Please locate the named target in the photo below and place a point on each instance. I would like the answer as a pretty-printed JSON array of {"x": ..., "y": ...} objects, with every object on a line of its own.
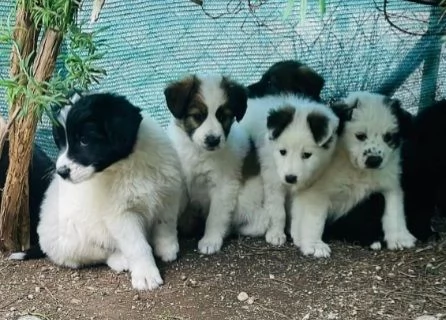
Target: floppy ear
[
  {"x": 343, "y": 111},
  {"x": 178, "y": 95},
  {"x": 237, "y": 97},
  {"x": 122, "y": 130},
  {"x": 278, "y": 120},
  {"x": 322, "y": 128},
  {"x": 405, "y": 118},
  {"x": 310, "y": 82}
]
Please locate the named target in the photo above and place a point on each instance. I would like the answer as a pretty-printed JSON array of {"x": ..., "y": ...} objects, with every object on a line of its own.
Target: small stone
[
  {"x": 183, "y": 277},
  {"x": 193, "y": 283},
  {"x": 12, "y": 309},
  {"x": 426, "y": 318},
  {"x": 242, "y": 296},
  {"x": 133, "y": 307},
  {"x": 378, "y": 278},
  {"x": 271, "y": 276},
  {"x": 135, "y": 297},
  {"x": 391, "y": 275},
  {"x": 377, "y": 268},
  {"x": 75, "y": 301},
  {"x": 37, "y": 289},
  {"x": 30, "y": 297},
  {"x": 250, "y": 300}
]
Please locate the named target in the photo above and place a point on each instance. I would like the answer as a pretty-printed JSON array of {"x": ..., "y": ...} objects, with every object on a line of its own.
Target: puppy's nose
[
  {"x": 373, "y": 162},
  {"x": 212, "y": 141},
  {"x": 64, "y": 172},
  {"x": 291, "y": 178}
]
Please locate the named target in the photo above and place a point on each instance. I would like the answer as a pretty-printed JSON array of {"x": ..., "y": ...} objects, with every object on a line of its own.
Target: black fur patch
[
  {"x": 279, "y": 119},
  {"x": 344, "y": 113},
  {"x": 237, "y": 97},
  {"x": 404, "y": 119},
  {"x": 288, "y": 76},
  {"x": 318, "y": 124},
  {"x": 101, "y": 129},
  {"x": 251, "y": 164}
]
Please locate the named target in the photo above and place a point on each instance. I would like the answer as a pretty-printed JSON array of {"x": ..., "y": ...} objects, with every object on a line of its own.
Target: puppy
[
  {"x": 295, "y": 138},
  {"x": 117, "y": 189},
  {"x": 366, "y": 160},
  {"x": 211, "y": 147},
  {"x": 286, "y": 77}
]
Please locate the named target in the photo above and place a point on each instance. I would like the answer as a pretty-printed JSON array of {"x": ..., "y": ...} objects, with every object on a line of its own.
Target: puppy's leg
[
  {"x": 128, "y": 230},
  {"x": 308, "y": 221},
  {"x": 275, "y": 210},
  {"x": 396, "y": 234},
  {"x": 223, "y": 201},
  {"x": 165, "y": 233},
  {"x": 118, "y": 262}
]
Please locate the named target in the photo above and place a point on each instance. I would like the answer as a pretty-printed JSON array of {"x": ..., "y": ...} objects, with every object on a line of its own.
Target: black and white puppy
[
  {"x": 288, "y": 77},
  {"x": 367, "y": 160},
  {"x": 116, "y": 191},
  {"x": 212, "y": 147}
]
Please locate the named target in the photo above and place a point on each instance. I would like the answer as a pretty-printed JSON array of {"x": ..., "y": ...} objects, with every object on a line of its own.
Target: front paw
[
  {"x": 167, "y": 250},
  {"x": 146, "y": 278},
  {"x": 318, "y": 249},
  {"x": 210, "y": 245},
  {"x": 117, "y": 262},
  {"x": 275, "y": 237},
  {"x": 400, "y": 240}
]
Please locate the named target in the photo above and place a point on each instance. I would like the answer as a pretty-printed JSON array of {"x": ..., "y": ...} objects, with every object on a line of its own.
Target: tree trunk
[{"x": 14, "y": 223}]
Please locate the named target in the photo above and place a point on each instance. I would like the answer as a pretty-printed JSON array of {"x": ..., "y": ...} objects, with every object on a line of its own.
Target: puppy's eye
[
  {"x": 361, "y": 136},
  {"x": 198, "y": 117},
  {"x": 306, "y": 155},
  {"x": 83, "y": 141},
  {"x": 282, "y": 152},
  {"x": 387, "y": 137}
]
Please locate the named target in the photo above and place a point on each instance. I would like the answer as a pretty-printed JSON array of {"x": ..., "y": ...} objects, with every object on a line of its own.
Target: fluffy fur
[
  {"x": 212, "y": 148},
  {"x": 295, "y": 138},
  {"x": 288, "y": 77},
  {"x": 116, "y": 192},
  {"x": 366, "y": 160}
]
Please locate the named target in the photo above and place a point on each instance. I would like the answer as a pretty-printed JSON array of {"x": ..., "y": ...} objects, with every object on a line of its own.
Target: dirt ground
[{"x": 355, "y": 283}]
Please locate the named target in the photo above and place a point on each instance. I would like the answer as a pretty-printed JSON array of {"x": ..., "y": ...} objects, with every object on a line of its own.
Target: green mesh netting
[{"x": 353, "y": 46}]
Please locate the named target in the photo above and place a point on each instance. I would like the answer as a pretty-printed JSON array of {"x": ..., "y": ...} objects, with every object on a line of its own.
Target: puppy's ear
[
  {"x": 344, "y": 111},
  {"x": 405, "y": 118},
  {"x": 237, "y": 97},
  {"x": 122, "y": 127},
  {"x": 178, "y": 95},
  {"x": 278, "y": 120},
  {"x": 310, "y": 82},
  {"x": 322, "y": 128}
]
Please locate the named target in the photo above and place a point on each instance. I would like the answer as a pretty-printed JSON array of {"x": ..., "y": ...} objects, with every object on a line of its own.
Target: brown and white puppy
[{"x": 211, "y": 145}]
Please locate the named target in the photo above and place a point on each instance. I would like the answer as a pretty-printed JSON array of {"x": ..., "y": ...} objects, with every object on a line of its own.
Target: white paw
[
  {"x": 17, "y": 256},
  {"x": 317, "y": 249},
  {"x": 209, "y": 245},
  {"x": 146, "y": 278},
  {"x": 400, "y": 240},
  {"x": 376, "y": 246},
  {"x": 167, "y": 249},
  {"x": 117, "y": 262},
  {"x": 275, "y": 237}
]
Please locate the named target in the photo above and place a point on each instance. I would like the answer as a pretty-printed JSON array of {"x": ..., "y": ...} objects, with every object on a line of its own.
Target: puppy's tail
[{"x": 35, "y": 252}]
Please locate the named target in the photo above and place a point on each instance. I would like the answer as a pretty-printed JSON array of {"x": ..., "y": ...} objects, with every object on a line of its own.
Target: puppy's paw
[
  {"x": 167, "y": 250},
  {"x": 146, "y": 277},
  {"x": 400, "y": 240},
  {"x": 117, "y": 262},
  {"x": 318, "y": 249},
  {"x": 210, "y": 245},
  {"x": 17, "y": 256},
  {"x": 376, "y": 246},
  {"x": 275, "y": 237}
]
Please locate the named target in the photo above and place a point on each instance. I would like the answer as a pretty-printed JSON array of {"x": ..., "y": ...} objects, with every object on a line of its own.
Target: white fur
[
  {"x": 212, "y": 177},
  {"x": 346, "y": 181},
  {"x": 296, "y": 138},
  {"x": 110, "y": 217}
]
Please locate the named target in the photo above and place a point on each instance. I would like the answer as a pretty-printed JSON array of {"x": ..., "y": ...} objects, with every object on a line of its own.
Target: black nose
[
  {"x": 373, "y": 162},
  {"x": 212, "y": 141},
  {"x": 291, "y": 178},
  {"x": 64, "y": 172}
]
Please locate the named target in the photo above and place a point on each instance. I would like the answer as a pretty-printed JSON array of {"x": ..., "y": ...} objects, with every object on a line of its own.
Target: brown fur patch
[{"x": 251, "y": 164}]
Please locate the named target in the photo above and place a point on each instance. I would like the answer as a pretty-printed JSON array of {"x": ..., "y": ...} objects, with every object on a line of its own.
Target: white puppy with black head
[
  {"x": 295, "y": 138},
  {"x": 116, "y": 191},
  {"x": 366, "y": 160},
  {"x": 211, "y": 147}
]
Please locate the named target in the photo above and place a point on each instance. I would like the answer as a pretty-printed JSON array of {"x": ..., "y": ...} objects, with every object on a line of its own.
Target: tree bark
[{"x": 14, "y": 223}]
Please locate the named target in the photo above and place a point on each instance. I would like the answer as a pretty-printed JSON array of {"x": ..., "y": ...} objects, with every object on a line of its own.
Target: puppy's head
[
  {"x": 92, "y": 133},
  {"x": 205, "y": 108},
  {"x": 303, "y": 137},
  {"x": 372, "y": 128},
  {"x": 288, "y": 76}
]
